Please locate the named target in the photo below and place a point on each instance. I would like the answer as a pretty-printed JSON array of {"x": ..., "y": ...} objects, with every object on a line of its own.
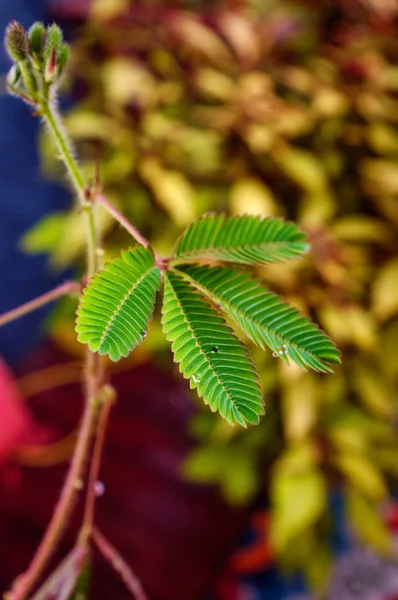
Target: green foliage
[
  {"x": 265, "y": 318},
  {"x": 210, "y": 355},
  {"x": 246, "y": 239},
  {"x": 118, "y": 303},
  {"x": 114, "y": 312},
  {"x": 299, "y": 500},
  {"x": 366, "y": 520}
]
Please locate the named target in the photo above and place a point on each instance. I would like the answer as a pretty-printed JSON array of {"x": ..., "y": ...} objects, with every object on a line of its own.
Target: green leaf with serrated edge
[
  {"x": 264, "y": 317},
  {"x": 209, "y": 353},
  {"x": 116, "y": 306},
  {"x": 242, "y": 239}
]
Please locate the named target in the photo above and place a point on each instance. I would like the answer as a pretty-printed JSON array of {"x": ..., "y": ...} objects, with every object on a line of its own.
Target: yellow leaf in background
[
  {"x": 316, "y": 209},
  {"x": 258, "y": 137},
  {"x": 373, "y": 392},
  {"x": 389, "y": 343},
  {"x": 199, "y": 37},
  {"x": 362, "y": 229},
  {"x": 328, "y": 102},
  {"x": 385, "y": 291},
  {"x": 317, "y": 572},
  {"x": 297, "y": 503},
  {"x": 380, "y": 176},
  {"x": 127, "y": 81},
  {"x": 299, "y": 408},
  {"x": 387, "y": 459},
  {"x": 215, "y": 84},
  {"x": 367, "y": 522},
  {"x": 86, "y": 124},
  {"x": 172, "y": 190},
  {"x": 297, "y": 459},
  {"x": 293, "y": 121},
  {"x": 302, "y": 167},
  {"x": 363, "y": 329},
  {"x": 241, "y": 33},
  {"x": 250, "y": 196},
  {"x": 107, "y": 9},
  {"x": 241, "y": 480},
  {"x": 382, "y": 138},
  {"x": 362, "y": 474},
  {"x": 350, "y": 324},
  {"x": 346, "y": 438}
]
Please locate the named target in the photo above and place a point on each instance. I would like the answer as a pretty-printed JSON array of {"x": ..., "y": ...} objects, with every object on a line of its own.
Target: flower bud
[
  {"x": 36, "y": 35},
  {"x": 16, "y": 41},
  {"x": 63, "y": 57},
  {"x": 54, "y": 41},
  {"x": 50, "y": 68}
]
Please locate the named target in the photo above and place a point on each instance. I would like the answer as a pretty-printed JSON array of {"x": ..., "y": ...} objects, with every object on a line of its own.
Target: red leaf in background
[{"x": 15, "y": 420}]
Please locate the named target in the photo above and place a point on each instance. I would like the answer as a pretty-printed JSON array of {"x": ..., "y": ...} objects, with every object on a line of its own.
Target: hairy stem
[
  {"x": 69, "y": 287},
  {"x": 93, "y": 372},
  {"x": 56, "y": 128},
  {"x": 113, "y": 557}
]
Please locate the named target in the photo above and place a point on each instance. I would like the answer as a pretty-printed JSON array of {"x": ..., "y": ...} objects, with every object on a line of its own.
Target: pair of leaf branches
[{"x": 206, "y": 281}]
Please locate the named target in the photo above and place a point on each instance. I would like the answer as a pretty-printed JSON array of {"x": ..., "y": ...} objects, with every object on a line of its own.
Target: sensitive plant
[{"x": 209, "y": 292}]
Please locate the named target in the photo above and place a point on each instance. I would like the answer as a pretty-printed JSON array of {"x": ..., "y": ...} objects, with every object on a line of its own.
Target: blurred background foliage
[{"x": 271, "y": 107}]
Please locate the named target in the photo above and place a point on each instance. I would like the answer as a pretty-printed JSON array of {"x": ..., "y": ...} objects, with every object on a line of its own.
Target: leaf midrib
[
  {"x": 219, "y": 378},
  {"x": 198, "y": 251},
  {"x": 216, "y": 298},
  {"x": 122, "y": 303}
]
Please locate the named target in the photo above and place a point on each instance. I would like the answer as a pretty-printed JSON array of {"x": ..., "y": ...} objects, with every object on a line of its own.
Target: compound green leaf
[
  {"x": 209, "y": 353},
  {"x": 264, "y": 317},
  {"x": 242, "y": 239},
  {"x": 118, "y": 303}
]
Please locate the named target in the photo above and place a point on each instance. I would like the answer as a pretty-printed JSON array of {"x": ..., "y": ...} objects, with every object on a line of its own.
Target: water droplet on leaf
[
  {"x": 215, "y": 350},
  {"x": 196, "y": 378},
  {"x": 143, "y": 333}
]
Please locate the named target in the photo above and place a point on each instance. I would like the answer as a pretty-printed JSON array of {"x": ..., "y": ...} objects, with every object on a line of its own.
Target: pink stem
[
  {"x": 113, "y": 557},
  {"x": 121, "y": 219},
  {"x": 69, "y": 287}
]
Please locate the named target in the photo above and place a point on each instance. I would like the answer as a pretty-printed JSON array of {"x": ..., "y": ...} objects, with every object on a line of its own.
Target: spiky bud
[
  {"x": 36, "y": 35},
  {"x": 54, "y": 41},
  {"x": 63, "y": 57},
  {"x": 16, "y": 41}
]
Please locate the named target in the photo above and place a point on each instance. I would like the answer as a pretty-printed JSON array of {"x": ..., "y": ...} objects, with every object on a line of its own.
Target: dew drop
[
  {"x": 143, "y": 333},
  {"x": 282, "y": 349},
  {"x": 195, "y": 378},
  {"x": 99, "y": 488},
  {"x": 215, "y": 350}
]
